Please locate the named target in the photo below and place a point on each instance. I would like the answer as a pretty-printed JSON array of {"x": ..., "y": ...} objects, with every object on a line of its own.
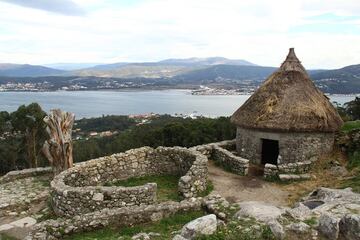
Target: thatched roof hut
[{"x": 288, "y": 101}]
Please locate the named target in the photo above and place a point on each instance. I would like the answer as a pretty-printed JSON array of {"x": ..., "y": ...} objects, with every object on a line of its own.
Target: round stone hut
[{"x": 287, "y": 120}]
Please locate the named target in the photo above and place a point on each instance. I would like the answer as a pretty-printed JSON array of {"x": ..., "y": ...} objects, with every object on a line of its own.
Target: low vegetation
[
  {"x": 353, "y": 182},
  {"x": 164, "y": 227},
  {"x": 351, "y": 125},
  {"x": 167, "y": 185}
]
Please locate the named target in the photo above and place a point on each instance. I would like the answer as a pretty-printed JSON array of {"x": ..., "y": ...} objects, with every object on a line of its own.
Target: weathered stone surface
[
  {"x": 329, "y": 226},
  {"x": 98, "y": 197},
  {"x": 179, "y": 237},
  {"x": 205, "y": 225},
  {"x": 6, "y": 227},
  {"x": 141, "y": 236},
  {"x": 277, "y": 229},
  {"x": 336, "y": 202},
  {"x": 294, "y": 177},
  {"x": 299, "y": 227},
  {"x": 300, "y": 212},
  {"x": 350, "y": 227},
  {"x": 259, "y": 210},
  {"x": 24, "y": 222},
  {"x": 19, "y": 194},
  {"x": 216, "y": 204}
]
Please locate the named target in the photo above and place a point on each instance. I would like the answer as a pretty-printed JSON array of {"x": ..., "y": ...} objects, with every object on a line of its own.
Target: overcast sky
[{"x": 325, "y": 34}]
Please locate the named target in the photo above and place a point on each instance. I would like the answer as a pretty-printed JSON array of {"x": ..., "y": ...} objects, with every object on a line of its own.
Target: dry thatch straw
[{"x": 288, "y": 101}]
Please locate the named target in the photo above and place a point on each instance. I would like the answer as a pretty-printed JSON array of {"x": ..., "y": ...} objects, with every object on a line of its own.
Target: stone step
[{"x": 292, "y": 177}]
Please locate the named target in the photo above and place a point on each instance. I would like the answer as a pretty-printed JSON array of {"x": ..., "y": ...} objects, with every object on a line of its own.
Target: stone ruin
[{"x": 81, "y": 189}]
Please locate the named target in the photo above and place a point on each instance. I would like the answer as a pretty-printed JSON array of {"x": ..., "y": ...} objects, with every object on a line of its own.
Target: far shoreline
[{"x": 152, "y": 89}]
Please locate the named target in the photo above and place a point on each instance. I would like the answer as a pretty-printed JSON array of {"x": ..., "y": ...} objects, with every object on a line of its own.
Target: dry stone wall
[
  {"x": 221, "y": 153},
  {"x": 225, "y": 158},
  {"x": 81, "y": 189},
  {"x": 25, "y": 173},
  {"x": 295, "y": 171},
  {"x": 118, "y": 217}
]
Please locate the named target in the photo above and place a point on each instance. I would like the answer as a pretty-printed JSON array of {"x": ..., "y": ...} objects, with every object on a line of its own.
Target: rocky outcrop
[
  {"x": 205, "y": 225},
  {"x": 333, "y": 213},
  {"x": 350, "y": 227},
  {"x": 261, "y": 211}
]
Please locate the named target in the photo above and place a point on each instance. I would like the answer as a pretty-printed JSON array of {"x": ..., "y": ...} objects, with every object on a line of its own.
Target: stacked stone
[
  {"x": 217, "y": 205},
  {"x": 237, "y": 164},
  {"x": 207, "y": 149},
  {"x": 195, "y": 180},
  {"x": 25, "y": 173},
  {"x": 297, "y": 168},
  {"x": 270, "y": 171},
  {"x": 288, "y": 172},
  {"x": 80, "y": 189},
  {"x": 57, "y": 229}
]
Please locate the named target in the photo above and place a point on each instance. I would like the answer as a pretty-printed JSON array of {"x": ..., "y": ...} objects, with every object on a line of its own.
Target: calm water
[{"x": 96, "y": 103}]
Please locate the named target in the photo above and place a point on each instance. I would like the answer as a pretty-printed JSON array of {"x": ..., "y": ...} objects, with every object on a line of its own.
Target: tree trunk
[{"x": 58, "y": 149}]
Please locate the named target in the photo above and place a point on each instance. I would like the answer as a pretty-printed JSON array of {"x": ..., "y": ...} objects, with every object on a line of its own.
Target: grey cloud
[{"x": 64, "y": 7}]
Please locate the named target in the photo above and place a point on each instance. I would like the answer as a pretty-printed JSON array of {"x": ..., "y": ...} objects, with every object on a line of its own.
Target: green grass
[
  {"x": 5, "y": 237},
  {"x": 354, "y": 160},
  {"x": 354, "y": 183},
  {"x": 164, "y": 227},
  {"x": 167, "y": 185},
  {"x": 311, "y": 221},
  {"x": 350, "y": 125}
]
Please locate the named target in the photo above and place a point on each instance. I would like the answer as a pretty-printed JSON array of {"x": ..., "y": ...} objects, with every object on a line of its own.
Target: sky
[{"x": 325, "y": 33}]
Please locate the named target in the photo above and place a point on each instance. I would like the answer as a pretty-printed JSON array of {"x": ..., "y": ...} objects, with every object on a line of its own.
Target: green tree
[
  {"x": 353, "y": 108},
  {"x": 28, "y": 120},
  {"x": 4, "y": 119}
]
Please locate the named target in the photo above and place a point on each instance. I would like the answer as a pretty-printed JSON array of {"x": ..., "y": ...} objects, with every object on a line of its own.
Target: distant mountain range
[
  {"x": 27, "y": 70},
  {"x": 187, "y": 71},
  {"x": 70, "y": 66},
  {"x": 346, "y": 79}
]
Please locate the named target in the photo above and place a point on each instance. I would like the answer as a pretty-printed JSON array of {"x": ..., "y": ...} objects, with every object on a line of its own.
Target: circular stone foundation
[{"x": 81, "y": 189}]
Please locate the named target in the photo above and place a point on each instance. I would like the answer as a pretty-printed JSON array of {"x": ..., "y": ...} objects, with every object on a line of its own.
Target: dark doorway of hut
[{"x": 269, "y": 151}]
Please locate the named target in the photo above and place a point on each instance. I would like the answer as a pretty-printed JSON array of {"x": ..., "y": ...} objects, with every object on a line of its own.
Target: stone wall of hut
[{"x": 293, "y": 147}]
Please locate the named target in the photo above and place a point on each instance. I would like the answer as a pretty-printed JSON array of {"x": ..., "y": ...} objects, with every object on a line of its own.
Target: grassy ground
[
  {"x": 4, "y": 237},
  {"x": 323, "y": 177},
  {"x": 245, "y": 229},
  {"x": 164, "y": 227},
  {"x": 350, "y": 125},
  {"x": 353, "y": 182},
  {"x": 167, "y": 185}
]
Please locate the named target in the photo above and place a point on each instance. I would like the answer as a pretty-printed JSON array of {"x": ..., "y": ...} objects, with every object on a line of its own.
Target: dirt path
[{"x": 237, "y": 188}]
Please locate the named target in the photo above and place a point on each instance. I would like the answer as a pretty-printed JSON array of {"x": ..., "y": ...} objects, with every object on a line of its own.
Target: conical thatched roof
[{"x": 288, "y": 101}]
